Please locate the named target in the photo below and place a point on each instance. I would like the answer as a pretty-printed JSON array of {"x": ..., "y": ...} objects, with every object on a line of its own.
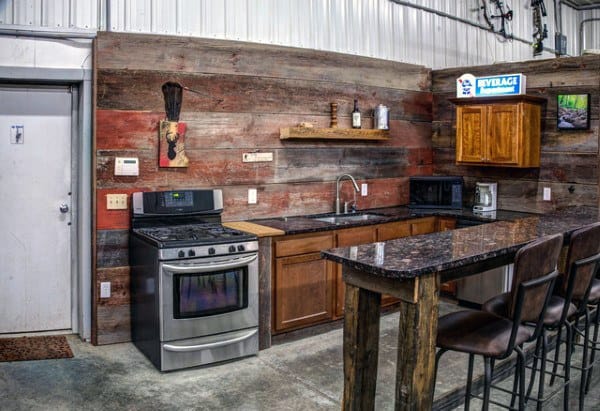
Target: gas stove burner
[{"x": 192, "y": 233}]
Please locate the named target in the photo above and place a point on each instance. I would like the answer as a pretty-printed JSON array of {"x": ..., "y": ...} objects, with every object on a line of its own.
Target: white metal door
[{"x": 35, "y": 208}]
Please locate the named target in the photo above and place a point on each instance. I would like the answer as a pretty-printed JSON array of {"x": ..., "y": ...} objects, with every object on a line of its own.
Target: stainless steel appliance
[
  {"x": 194, "y": 283},
  {"x": 435, "y": 192},
  {"x": 477, "y": 289},
  {"x": 485, "y": 197}
]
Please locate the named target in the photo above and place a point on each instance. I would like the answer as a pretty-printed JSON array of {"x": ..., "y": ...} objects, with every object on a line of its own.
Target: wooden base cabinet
[
  {"x": 445, "y": 224},
  {"x": 303, "y": 291},
  {"x": 308, "y": 290},
  {"x": 345, "y": 238},
  {"x": 302, "y": 282},
  {"x": 498, "y": 131}
]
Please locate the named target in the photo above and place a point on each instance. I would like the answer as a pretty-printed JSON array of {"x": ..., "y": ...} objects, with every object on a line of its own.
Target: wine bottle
[{"x": 356, "y": 115}]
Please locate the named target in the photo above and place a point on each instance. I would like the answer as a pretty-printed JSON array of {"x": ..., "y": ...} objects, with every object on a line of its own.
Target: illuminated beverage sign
[{"x": 468, "y": 85}]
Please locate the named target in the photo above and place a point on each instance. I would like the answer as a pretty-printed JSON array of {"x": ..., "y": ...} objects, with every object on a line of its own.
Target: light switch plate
[
  {"x": 252, "y": 196},
  {"x": 116, "y": 201},
  {"x": 105, "y": 289}
]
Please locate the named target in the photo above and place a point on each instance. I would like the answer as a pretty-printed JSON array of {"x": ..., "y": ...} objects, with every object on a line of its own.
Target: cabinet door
[
  {"x": 346, "y": 238},
  {"x": 503, "y": 134},
  {"x": 303, "y": 291},
  {"x": 470, "y": 134}
]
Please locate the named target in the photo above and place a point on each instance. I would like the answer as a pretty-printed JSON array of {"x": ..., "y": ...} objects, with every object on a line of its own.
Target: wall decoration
[
  {"x": 171, "y": 147},
  {"x": 573, "y": 111}
]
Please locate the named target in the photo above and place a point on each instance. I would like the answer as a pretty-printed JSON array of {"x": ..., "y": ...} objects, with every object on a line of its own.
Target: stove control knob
[
  {"x": 211, "y": 251},
  {"x": 232, "y": 249},
  {"x": 241, "y": 247},
  {"x": 191, "y": 253},
  {"x": 181, "y": 254}
]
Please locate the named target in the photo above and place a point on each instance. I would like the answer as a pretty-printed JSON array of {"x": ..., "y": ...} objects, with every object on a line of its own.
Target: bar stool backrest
[
  {"x": 581, "y": 269},
  {"x": 537, "y": 259}
]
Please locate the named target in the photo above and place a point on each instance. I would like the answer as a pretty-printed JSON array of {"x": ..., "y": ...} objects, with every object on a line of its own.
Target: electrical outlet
[
  {"x": 116, "y": 201},
  {"x": 256, "y": 157},
  {"x": 252, "y": 196},
  {"x": 105, "y": 289},
  {"x": 363, "y": 189},
  {"x": 547, "y": 194}
]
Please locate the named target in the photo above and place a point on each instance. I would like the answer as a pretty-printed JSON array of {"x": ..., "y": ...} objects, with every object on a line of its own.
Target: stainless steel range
[{"x": 194, "y": 283}]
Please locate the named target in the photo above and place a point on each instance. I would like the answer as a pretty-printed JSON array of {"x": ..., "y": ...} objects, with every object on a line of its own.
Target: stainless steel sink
[{"x": 347, "y": 218}]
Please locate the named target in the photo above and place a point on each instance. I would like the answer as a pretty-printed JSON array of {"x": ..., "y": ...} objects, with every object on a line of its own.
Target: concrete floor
[{"x": 304, "y": 374}]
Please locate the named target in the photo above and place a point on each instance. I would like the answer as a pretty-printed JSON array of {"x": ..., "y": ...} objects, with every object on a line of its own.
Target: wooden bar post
[
  {"x": 361, "y": 348},
  {"x": 415, "y": 373}
]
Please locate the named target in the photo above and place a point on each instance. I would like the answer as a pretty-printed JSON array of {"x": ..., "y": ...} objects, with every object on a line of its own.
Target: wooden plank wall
[
  {"x": 569, "y": 159},
  {"x": 243, "y": 94}
]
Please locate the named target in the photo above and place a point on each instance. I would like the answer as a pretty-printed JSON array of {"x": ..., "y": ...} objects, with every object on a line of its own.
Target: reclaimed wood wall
[
  {"x": 242, "y": 94},
  {"x": 569, "y": 159}
]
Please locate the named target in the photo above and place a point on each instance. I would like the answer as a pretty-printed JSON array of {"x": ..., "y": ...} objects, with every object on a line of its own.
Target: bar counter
[{"x": 412, "y": 269}]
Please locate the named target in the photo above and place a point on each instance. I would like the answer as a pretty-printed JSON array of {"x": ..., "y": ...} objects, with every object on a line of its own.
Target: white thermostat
[{"x": 127, "y": 166}]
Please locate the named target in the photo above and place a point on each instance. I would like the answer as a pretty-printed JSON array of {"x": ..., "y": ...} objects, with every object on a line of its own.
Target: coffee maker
[{"x": 485, "y": 197}]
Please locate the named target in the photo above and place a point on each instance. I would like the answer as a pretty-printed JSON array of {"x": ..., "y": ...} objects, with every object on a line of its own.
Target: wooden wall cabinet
[
  {"x": 498, "y": 131},
  {"x": 302, "y": 282}
]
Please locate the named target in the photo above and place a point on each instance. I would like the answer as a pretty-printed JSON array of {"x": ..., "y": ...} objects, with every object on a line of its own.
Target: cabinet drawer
[
  {"x": 355, "y": 236},
  {"x": 391, "y": 231},
  {"x": 303, "y": 245},
  {"x": 446, "y": 223},
  {"x": 422, "y": 226}
]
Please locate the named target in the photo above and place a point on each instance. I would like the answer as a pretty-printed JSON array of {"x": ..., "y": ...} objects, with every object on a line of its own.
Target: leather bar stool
[
  {"x": 495, "y": 337},
  {"x": 564, "y": 308},
  {"x": 584, "y": 258}
]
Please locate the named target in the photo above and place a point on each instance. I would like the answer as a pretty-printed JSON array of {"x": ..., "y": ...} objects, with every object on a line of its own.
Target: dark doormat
[{"x": 34, "y": 348}]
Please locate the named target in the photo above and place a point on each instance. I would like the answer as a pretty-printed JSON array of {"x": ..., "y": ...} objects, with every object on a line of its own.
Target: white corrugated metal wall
[
  {"x": 591, "y": 29},
  {"x": 376, "y": 28}
]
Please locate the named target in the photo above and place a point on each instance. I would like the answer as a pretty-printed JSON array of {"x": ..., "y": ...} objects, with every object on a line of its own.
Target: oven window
[{"x": 218, "y": 292}]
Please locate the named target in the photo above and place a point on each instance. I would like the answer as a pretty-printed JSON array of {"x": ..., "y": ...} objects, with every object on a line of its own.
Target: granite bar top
[
  {"x": 410, "y": 257},
  {"x": 308, "y": 224}
]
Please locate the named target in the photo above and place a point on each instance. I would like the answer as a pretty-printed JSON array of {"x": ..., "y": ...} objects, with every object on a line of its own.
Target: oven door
[{"x": 208, "y": 296}]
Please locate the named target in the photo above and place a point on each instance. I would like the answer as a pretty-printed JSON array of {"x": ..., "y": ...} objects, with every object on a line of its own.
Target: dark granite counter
[
  {"x": 411, "y": 257},
  {"x": 308, "y": 224}
]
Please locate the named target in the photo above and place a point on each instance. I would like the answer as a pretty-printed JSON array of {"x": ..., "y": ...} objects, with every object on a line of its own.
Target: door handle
[{"x": 64, "y": 208}]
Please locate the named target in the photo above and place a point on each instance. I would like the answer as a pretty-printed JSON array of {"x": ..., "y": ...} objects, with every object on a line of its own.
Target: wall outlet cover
[
  {"x": 547, "y": 194},
  {"x": 252, "y": 196},
  {"x": 256, "y": 157},
  {"x": 363, "y": 189},
  {"x": 105, "y": 289}
]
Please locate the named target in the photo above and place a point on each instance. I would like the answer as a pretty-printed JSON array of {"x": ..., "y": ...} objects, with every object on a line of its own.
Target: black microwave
[{"x": 435, "y": 192}]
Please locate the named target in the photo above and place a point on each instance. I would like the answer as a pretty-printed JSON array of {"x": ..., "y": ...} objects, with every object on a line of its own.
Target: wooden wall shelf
[{"x": 333, "y": 133}]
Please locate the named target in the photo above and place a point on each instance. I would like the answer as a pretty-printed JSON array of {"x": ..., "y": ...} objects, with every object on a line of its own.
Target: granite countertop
[
  {"x": 308, "y": 224},
  {"x": 410, "y": 257}
]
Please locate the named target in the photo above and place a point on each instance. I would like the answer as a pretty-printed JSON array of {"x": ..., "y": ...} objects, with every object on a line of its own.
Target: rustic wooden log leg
[
  {"x": 415, "y": 373},
  {"x": 361, "y": 348}
]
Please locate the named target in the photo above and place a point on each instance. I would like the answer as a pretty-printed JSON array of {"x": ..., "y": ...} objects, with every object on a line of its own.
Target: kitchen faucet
[{"x": 338, "y": 185}]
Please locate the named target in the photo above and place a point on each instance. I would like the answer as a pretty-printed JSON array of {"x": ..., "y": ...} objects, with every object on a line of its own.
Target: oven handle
[
  {"x": 188, "y": 348},
  {"x": 203, "y": 268}
]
